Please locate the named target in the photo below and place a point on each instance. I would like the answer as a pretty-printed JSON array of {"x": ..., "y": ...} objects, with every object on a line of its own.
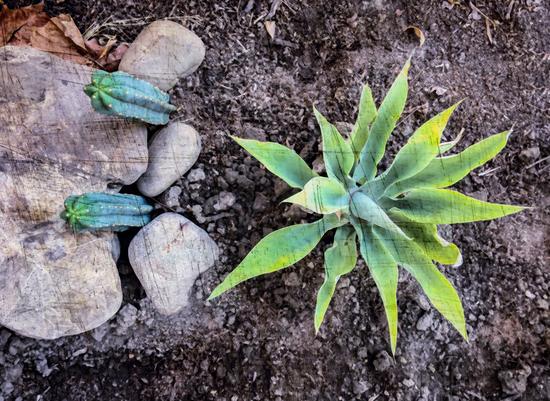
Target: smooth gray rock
[
  {"x": 167, "y": 256},
  {"x": 172, "y": 152},
  {"x": 53, "y": 144},
  {"x": 162, "y": 53}
]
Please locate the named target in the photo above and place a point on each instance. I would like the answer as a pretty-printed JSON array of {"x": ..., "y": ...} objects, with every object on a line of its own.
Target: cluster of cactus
[
  {"x": 121, "y": 94},
  {"x": 97, "y": 211},
  {"x": 393, "y": 215}
]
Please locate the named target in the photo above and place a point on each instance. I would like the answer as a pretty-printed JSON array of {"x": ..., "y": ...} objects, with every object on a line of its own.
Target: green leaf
[
  {"x": 383, "y": 269},
  {"x": 365, "y": 116},
  {"x": 363, "y": 207},
  {"x": 337, "y": 152},
  {"x": 391, "y": 108},
  {"x": 340, "y": 259},
  {"x": 278, "y": 250},
  {"x": 438, "y": 289},
  {"x": 280, "y": 160},
  {"x": 445, "y": 171},
  {"x": 426, "y": 237},
  {"x": 322, "y": 195},
  {"x": 443, "y": 206},
  {"x": 446, "y": 146},
  {"x": 421, "y": 148}
]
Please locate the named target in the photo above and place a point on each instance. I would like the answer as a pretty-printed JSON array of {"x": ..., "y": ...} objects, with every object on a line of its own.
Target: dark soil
[{"x": 257, "y": 342}]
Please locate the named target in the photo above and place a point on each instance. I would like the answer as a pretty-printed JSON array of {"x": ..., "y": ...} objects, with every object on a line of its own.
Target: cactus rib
[{"x": 123, "y": 95}]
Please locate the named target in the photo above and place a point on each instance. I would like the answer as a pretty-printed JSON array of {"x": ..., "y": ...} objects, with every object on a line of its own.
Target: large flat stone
[{"x": 52, "y": 145}]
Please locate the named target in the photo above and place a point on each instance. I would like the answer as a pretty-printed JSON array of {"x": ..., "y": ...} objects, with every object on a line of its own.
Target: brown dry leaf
[
  {"x": 270, "y": 28},
  {"x": 12, "y": 20},
  {"x": 58, "y": 35},
  {"x": 66, "y": 25},
  {"x": 31, "y": 26},
  {"x": 51, "y": 39},
  {"x": 108, "y": 47},
  {"x": 94, "y": 48},
  {"x": 113, "y": 54},
  {"x": 418, "y": 32},
  {"x": 113, "y": 59}
]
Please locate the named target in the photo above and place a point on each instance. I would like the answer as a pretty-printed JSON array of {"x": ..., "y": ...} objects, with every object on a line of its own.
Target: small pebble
[{"x": 195, "y": 175}]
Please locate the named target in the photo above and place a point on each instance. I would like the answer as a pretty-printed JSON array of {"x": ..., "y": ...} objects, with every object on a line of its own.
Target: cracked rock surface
[{"x": 52, "y": 145}]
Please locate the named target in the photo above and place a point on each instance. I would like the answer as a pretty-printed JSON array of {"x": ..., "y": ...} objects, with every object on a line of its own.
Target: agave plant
[{"x": 393, "y": 215}]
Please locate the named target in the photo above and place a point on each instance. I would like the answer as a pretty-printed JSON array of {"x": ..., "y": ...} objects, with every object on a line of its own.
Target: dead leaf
[
  {"x": 93, "y": 47},
  {"x": 270, "y": 28},
  {"x": 31, "y": 26},
  {"x": 51, "y": 39},
  {"x": 66, "y": 25},
  {"x": 418, "y": 32},
  {"x": 13, "y": 20},
  {"x": 113, "y": 54},
  {"x": 113, "y": 59},
  {"x": 108, "y": 47}
]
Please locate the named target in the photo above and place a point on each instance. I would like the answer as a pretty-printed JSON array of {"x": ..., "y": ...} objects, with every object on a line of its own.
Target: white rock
[
  {"x": 162, "y": 53},
  {"x": 53, "y": 144},
  {"x": 172, "y": 152},
  {"x": 167, "y": 256}
]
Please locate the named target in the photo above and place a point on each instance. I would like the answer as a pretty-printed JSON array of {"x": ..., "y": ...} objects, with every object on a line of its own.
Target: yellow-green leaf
[
  {"x": 445, "y": 171},
  {"x": 443, "y": 206},
  {"x": 322, "y": 195},
  {"x": 363, "y": 207},
  {"x": 446, "y": 146},
  {"x": 280, "y": 160},
  {"x": 391, "y": 108},
  {"x": 278, "y": 250},
  {"x": 337, "y": 153},
  {"x": 421, "y": 148},
  {"x": 365, "y": 116},
  {"x": 340, "y": 259},
  {"x": 426, "y": 237},
  {"x": 437, "y": 288},
  {"x": 383, "y": 269}
]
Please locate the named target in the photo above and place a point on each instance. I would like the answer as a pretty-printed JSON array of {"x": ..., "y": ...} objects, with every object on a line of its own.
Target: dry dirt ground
[{"x": 257, "y": 342}]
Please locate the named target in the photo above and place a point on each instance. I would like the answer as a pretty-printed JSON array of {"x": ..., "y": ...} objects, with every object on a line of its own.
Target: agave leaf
[
  {"x": 322, "y": 195},
  {"x": 445, "y": 171},
  {"x": 383, "y": 269},
  {"x": 278, "y": 250},
  {"x": 363, "y": 207},
  {"x": 438, "y": 289},
  {"x": 365, "y": 116},
  {"x": 340, "y": 259},
  {"x": 280, "y": 160},
  {"x": 337, "y": 153},
  {"x": 443, "y": 206},
  {"x": 446, "y": 146},
  {"x": 426, "y": 237},
  {"x": 421, "y": 148},
  {"x": 391, "y": 108}
]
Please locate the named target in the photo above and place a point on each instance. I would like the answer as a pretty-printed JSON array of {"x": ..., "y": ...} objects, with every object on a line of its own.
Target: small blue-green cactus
[
  {"x": 97, "y": 211},
  {"x": 121, "y": 94}
]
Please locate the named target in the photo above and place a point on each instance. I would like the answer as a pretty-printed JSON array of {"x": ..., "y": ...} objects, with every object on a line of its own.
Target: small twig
[
  {"x": 537, "y": 162},
  {"x": 274, "y": 7},
  {"x": 490, "y": 171}
]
